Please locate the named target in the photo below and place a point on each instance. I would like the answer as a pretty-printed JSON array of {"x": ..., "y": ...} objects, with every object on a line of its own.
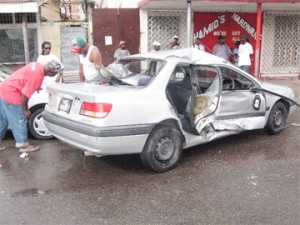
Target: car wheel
[
  {"x": 163, "y": 149},
  {"x": 37, "y": 127},
  {"x": 277, "y": 119}
]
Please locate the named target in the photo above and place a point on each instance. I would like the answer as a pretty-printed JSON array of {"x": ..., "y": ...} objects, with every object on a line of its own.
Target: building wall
[
  {"x": 280, "y": 53},
  {"x": 276, "y": 59},
  {"x": 161, "y": 26}
]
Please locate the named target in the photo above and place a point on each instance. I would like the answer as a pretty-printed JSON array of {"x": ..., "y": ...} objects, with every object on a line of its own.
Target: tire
[
  {"x": 163, "y": 149},
  {"x": 37, "y": 126},
  {"x": 277, "y": 119}
]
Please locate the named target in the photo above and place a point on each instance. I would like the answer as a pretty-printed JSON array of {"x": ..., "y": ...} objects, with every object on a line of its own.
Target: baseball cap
[
  {"x": 220, "y": 37},
  {"x": 77, "y": 44},
  {"x": 54, "y": 66},
  {"x": 175, "y": 37},
  {"x": 156, "y": 43},
  {"x": 122, "y": 43}
]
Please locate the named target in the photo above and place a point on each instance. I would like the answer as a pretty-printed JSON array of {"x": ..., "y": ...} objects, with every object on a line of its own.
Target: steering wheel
[{"x": 230, "y": 85}]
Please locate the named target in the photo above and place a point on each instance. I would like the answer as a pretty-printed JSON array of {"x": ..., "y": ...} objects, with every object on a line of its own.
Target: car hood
[{"x": 278, "y": 89}]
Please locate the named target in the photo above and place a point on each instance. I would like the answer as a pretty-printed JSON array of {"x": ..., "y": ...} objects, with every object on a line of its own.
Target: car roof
[{"x": 190, "y": 55}]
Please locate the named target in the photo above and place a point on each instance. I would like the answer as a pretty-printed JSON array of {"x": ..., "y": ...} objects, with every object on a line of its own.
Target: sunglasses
[{"x": 47, "y": 48}]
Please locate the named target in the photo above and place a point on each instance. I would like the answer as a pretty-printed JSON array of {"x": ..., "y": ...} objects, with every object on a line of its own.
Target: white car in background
[
  {"x": 161, "y": 103},
  {"x": 36, "y": 105}
]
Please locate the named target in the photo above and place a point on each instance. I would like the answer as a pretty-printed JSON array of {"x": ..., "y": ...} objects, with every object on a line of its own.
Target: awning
[
  {"x": 27, "y": 7},
  {"x": 221, "y": 5}
]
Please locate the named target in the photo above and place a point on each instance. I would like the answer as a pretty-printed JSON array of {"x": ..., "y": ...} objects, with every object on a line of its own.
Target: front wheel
[
  {"x": 163, "y": 149},
  {"x": 277, "y": 119},
  {"x": 37, "y": 126}
]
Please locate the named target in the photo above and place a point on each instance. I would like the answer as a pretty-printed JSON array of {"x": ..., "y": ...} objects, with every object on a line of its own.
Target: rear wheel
[
  {"x": 37, "y": 127},
  {"x": 163, "y": 149},
  {"x": 277, "y": 119}
]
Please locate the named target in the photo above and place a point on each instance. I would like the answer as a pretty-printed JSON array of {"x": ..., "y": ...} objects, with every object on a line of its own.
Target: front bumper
[{"x": 104, "y": 141}]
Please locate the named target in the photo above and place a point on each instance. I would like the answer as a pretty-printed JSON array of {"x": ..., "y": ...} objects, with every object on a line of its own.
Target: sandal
[{"x": 29, "y": 148}]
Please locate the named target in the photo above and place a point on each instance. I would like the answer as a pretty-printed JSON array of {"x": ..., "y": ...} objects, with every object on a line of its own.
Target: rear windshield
[{"x": 136, "y": 72}]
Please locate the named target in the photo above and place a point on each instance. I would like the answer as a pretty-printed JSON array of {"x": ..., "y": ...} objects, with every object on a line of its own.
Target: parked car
[
  {"x": 161, "y": 103},
  {"x": 36, "y": 105}
]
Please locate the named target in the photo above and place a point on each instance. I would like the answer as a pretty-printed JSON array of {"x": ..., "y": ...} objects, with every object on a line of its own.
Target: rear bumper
[{"x": 104, "y": 141}]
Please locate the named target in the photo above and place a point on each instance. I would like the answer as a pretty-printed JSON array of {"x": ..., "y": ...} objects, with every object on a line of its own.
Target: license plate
[{"x": 65, "y": 105}]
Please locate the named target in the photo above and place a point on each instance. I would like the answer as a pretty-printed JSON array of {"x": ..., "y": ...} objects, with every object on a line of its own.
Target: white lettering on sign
[
  {"x": 244, "y": 24},
  {"x": 210, "y": 28}
]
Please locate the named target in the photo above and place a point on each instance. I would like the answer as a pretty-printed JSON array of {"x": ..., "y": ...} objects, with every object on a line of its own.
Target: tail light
[{"x": 95, "y": 110}]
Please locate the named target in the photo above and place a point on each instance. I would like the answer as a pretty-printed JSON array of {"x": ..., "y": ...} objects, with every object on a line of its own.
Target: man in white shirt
[
  {"x": 245, "y": 51},
  {"x": 198, "y": 45}
]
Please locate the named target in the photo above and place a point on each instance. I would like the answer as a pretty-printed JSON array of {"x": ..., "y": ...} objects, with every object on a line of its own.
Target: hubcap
[
  {"x": 40, "y": 127},
  {"x": 278, "y": 118},
  {"x": 164, "y": 149}
]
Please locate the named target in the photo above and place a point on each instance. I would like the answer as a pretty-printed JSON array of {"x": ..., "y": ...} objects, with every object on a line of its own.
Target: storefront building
[{"x": 273, "y": 28}]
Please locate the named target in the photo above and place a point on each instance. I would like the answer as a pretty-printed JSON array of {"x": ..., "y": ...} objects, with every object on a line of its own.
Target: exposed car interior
[
  {"x": 179, "y": 92},
  {"x": 233, "y": 80},
  {"x": 180, "y": 88}
]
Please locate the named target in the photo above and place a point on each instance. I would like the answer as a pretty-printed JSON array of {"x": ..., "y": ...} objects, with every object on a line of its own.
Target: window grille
[
  {"x": 163, "y": 25},
  {"x": 12, "y": 45},
  {"x": 31, "y": 17},
  {"x": 280, "y": 53},
  {"x": 286, "y": 40},
  {"x": 6, "y": 18}
]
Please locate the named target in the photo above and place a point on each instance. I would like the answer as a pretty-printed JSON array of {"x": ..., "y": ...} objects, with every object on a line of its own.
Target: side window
[
  {"x": 207, "y": 78},
  {"x": 178, "y": 74},
  {"x": 234, "y": 80}
]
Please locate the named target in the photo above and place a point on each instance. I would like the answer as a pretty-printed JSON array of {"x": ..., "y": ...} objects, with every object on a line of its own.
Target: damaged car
[{"x": 158, "y": 104}]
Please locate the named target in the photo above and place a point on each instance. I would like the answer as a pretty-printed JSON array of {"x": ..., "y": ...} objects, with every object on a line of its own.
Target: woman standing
[{"x": 46, "y": 57}]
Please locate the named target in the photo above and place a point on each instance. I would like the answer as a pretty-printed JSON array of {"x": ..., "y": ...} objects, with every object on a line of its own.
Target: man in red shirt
[{"x": 15, "y": 92}]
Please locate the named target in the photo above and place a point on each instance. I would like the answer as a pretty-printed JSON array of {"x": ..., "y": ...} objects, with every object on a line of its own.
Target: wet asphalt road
[{"x": 250, "y": 178}]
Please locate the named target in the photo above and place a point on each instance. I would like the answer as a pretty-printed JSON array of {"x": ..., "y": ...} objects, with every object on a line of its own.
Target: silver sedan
[{"x": 158, "y": 104}]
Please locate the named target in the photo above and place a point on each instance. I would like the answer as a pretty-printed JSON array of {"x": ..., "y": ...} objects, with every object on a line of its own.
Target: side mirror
[{"x": 255, "y": 89}]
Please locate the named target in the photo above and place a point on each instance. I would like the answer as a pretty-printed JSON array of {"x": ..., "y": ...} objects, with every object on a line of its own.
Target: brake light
[{"x": 96, "y": 110}]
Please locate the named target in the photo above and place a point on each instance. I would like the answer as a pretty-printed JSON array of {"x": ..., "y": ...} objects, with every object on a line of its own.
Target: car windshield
[{"x": 137, "y": 72}]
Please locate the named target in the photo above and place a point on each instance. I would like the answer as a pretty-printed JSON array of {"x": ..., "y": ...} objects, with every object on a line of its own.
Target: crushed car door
[
  {"x": 240, "y": 108},
  {"x": 203, "y": 103}
]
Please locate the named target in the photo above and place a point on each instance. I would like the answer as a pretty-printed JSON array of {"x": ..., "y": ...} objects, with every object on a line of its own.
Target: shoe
[
  {"x": 29, "y": 148},
  {"x": 2, "y": 147}
]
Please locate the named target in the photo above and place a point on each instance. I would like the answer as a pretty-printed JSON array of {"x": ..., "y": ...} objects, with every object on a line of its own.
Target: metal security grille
[
  {"x": 280, "y": 45},
  {"x": 31, "y": 17},
  {"x": 163, "y": 25},
  {"x": 12, "y": 45},
  {"x": 6, "y": 18}
]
